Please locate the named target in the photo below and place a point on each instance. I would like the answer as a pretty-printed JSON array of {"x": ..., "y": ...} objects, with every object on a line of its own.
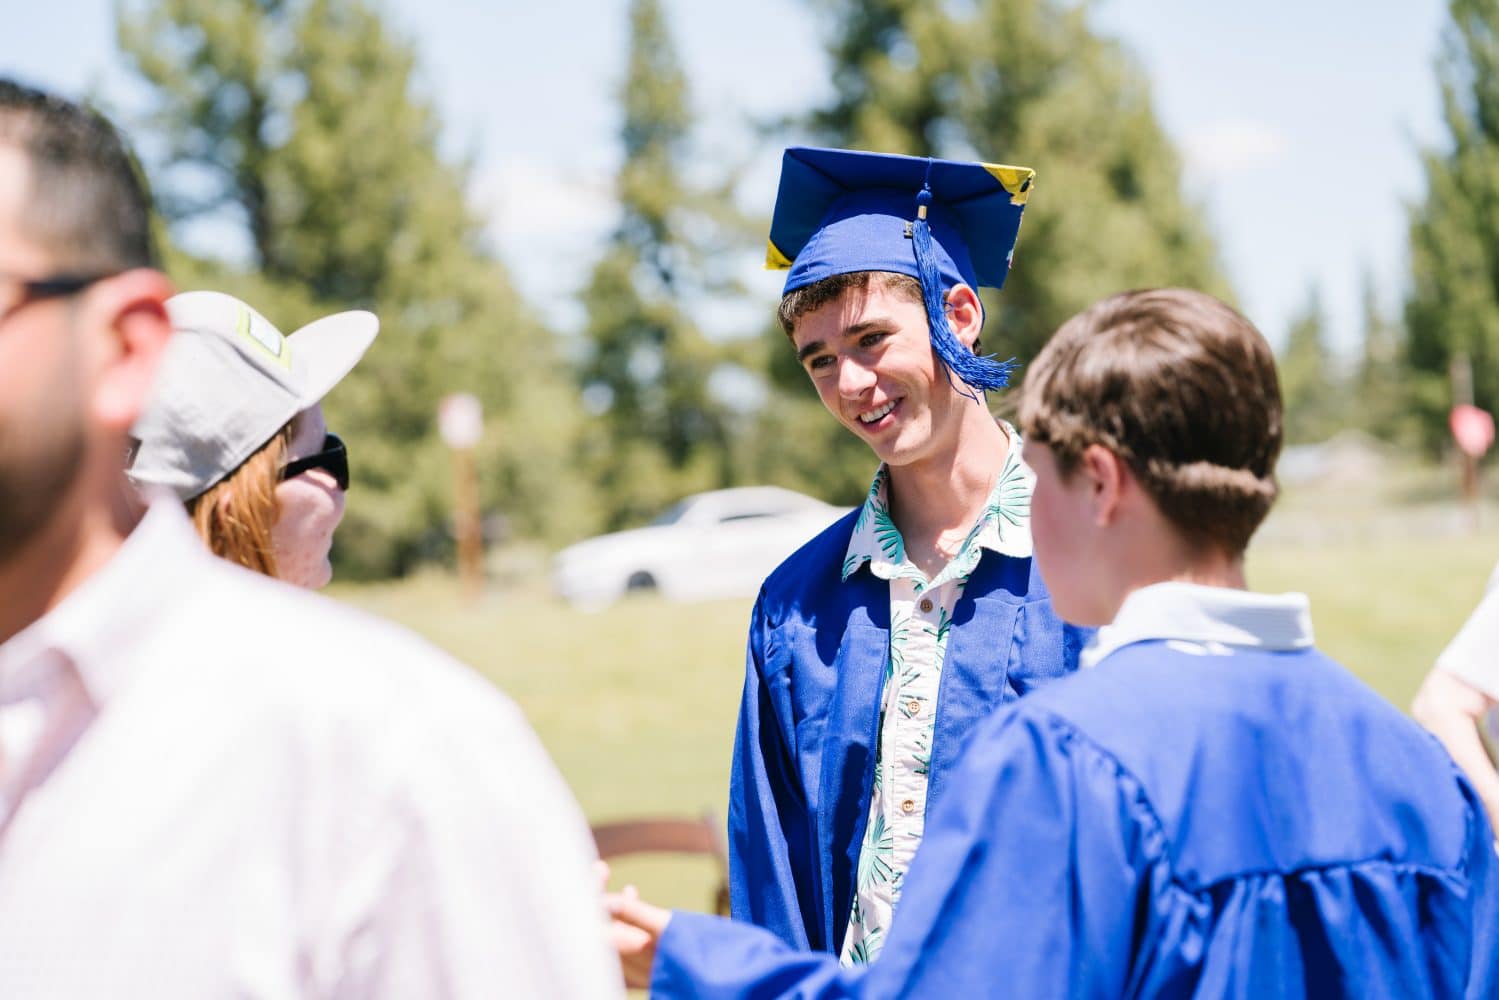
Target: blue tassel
[{"x": 981, "y": 373}]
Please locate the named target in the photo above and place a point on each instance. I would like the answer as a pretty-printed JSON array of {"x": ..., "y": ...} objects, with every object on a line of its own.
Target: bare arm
[{"x": 1453, "y": 710}]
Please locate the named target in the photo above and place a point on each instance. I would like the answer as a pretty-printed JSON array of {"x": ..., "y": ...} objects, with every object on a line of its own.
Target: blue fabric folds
[
  {"x": 805, "y": 749},
  {"x": 1249, "y": 825}
]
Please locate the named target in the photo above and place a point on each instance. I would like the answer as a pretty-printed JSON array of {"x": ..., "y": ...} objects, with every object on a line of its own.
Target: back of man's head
[
  {"x": 87, "y": 205},
  {"x": 1183, "y": 389}
]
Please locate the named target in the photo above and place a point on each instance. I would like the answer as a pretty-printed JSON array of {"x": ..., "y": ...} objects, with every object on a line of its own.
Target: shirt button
[
  {"x": 913, "y": 706},
  {"x": 908, "y": 807},
  {"x": 926, "y": 604}
]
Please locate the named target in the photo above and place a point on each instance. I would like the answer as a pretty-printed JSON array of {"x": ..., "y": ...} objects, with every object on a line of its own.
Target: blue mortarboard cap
[{"x": 940, "y": 221}]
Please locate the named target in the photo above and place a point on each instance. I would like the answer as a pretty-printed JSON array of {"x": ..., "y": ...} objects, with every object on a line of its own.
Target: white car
[{"x": 711, "y": 545}]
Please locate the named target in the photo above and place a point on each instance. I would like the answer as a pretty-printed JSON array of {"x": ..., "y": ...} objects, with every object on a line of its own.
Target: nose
[{"x": 853, "y": 378}]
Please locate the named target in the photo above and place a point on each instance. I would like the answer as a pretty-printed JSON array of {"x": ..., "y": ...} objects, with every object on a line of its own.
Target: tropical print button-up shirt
[{"x": 920, "y": 617}]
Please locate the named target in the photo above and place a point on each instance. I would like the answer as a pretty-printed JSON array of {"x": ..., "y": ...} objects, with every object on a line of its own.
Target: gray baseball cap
[{"x": 228, "y": 381}]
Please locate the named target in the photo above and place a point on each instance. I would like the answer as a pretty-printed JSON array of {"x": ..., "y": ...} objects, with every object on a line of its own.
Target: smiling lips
[{"x": 877, "y": 414}]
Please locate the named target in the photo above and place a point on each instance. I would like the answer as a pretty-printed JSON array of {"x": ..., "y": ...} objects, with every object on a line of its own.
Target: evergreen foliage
[
  {"x": 659, "y": 431},
  {"x": 1027, "y": 82},
  {"x": 1380, "y": 388},
  {"x": 299, "y": 124},
  {"x": 1453, "y": 306},
  {"x": 296, "y": 154},
  {"x": 1313, "y": 392}
]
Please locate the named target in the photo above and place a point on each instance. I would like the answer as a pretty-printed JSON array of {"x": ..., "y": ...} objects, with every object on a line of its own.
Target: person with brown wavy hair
[
  {"x": 236, "y": 515},
  {"x": 236, "y": 430}
]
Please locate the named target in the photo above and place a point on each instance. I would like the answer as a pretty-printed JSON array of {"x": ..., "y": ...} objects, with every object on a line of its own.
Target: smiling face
[
  {"x": 308, "y": 509},
  {"x": 869, "y": 355}
]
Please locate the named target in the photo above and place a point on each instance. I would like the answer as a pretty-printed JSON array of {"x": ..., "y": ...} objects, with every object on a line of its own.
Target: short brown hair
[
  {"x": 810, "y": 298},
  {"x": 1183, "y": 389},
  {"x": 235, "y": 515},
  {"x": 88, "y": 204}
]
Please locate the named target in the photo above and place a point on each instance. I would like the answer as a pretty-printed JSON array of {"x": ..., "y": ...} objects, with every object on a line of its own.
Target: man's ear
[
  {"x": 964, "y": 314},
  {"x": 1108, "y": 478},
  {"x": 129, "y": 312}
]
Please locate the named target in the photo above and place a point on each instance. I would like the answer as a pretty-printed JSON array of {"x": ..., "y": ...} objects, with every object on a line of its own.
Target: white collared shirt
[
  {"x": 237, "y": 789},
  {"x": 1204, "y": 620}
]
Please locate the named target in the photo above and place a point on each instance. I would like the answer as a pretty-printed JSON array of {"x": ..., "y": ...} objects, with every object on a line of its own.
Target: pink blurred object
[{"x": 1472, "y": 428}]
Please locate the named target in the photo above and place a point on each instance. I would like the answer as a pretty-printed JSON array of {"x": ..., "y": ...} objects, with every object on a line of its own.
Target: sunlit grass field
[{"x": 636, "y": 703}]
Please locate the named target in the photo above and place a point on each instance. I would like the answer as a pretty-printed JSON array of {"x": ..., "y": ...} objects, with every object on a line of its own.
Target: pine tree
[
  {"x": 1453, "y": 307},
  {"x": 1312, "y": 392},
  {"x": 300, "y": 120},
  {"x": 660, "y": 432},
  {"x": 1028, "y": 82},
  {"x": 1380, "y": 383}
]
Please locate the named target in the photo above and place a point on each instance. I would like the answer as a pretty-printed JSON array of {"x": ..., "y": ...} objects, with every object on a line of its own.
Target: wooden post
[
  {"x": 1460, "y": 371},
  {"x": 466, "y": 526},
  {"x": 460, "y": 420},
  {"x": 1472, "y": 429}
]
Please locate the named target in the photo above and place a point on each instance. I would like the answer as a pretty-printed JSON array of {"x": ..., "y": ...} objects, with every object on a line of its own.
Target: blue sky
[{"x": 1300, "y": 122}]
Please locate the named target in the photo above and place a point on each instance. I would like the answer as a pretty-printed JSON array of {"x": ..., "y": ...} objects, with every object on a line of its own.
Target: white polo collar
[{"x": 1205, "y": 617}]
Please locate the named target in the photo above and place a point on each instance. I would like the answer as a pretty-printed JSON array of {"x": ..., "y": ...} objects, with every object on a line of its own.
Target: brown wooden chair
[{"x": 669, "y": 836}]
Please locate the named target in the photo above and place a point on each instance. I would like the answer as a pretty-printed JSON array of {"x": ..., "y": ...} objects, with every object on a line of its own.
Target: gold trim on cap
[
  {"x": 1017, "y": 180},
  {"x": 774, "y": 259}
]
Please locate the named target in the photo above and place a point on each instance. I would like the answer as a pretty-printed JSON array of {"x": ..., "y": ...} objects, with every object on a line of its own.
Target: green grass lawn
[
  {"x": 1385, "y": 611},
  {"x": 637, "y": 703}
]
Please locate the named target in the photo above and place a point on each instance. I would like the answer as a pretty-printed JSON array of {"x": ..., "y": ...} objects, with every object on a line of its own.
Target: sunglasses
[
  {"x": 333, "y": 459},
  {"x": 53, "y": 287}
]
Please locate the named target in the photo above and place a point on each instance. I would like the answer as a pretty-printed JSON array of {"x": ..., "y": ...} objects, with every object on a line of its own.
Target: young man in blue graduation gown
[
  {"x": 1214, "y": 808},
  {"x": 875, "y": 648}
]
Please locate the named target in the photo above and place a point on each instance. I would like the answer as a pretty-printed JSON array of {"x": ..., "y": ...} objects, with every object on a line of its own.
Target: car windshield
[{"x": 670, "y": 515}]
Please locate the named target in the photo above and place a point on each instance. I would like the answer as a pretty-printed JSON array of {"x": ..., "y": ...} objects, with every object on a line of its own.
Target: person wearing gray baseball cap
[{"x": 235, "y": 429}]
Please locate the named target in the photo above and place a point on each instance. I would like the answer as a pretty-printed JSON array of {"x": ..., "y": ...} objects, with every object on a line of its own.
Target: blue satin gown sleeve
[
  {"x": 767, "y": 813},
  {"x": 1483, "y": 866},
  {"x": 1027, "y": 884}
]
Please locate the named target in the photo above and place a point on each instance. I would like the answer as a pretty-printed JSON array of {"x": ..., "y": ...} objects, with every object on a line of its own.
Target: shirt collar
[
  {"x": 1003, "y": 527},
  {"x": 1194, "y": 613},
  {"x": 109, "y": 609}
]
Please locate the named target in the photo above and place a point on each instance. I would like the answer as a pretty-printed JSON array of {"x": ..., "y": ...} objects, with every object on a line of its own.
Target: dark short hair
[
  {"x": 1183, "y": 389},
  {"x": 88, "y": 205},
  {"x": 810, "y": 298}
]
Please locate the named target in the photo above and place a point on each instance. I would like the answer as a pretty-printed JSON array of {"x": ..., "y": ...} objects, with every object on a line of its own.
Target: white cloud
[
  {"x": 535, "y": 201},
  {"x": 1231, "y": 146},
  {"x": 549, "y": 226}
]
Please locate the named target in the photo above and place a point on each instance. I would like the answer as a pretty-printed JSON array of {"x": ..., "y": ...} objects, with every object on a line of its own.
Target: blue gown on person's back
[{"x": 1245, "y": 823}]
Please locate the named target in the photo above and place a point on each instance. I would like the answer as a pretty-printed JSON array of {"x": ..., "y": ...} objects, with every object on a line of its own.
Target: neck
[
  {"x": 75, "y": 544},
  {"x": 1204, "y": 567},
  {"x": 1220, "y": 571},
  {"x": 943, "y": 494}
]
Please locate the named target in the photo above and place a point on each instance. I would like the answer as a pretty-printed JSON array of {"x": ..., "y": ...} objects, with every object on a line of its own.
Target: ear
[
  {"x": 130, "y": 311},
  {"x": 224, "y": 503},
  {"x": 1108, "y": 478},
  {"x": 964, "y": 314}
]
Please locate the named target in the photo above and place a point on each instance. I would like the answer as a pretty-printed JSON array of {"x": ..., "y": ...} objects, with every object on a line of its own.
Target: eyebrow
[
  {"x": 809, "y": 350},
  {"x": 878, "y": 323}
]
